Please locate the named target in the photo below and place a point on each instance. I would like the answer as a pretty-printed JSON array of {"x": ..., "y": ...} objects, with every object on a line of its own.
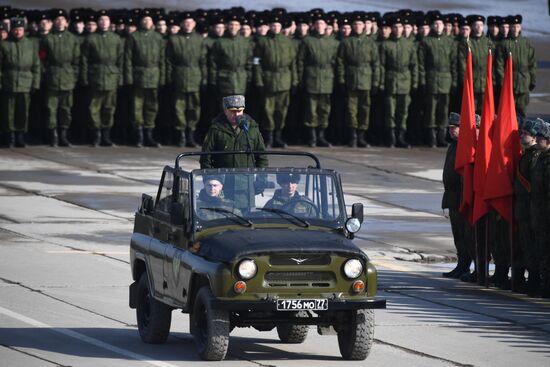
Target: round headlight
[
  {"x": 353, "y": 225},
  {"x": 353, "y": 268},
  {"x": 247, "y": 269}
]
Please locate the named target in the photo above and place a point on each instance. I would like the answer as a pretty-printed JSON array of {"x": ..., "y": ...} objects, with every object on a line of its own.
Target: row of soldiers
[
  {"x": 529, "y": 248},
  {"x": 392, "y": 79}
]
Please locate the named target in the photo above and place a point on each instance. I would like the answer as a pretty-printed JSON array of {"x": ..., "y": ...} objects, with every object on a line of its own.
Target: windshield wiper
[
  {"x": 244, "y": 221},
  {"x": 282, "y": 213}
]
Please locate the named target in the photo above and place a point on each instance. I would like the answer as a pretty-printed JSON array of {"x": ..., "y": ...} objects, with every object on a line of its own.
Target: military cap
[
  {"x": 237, "y": 10},
  {"x": 493, "y": 20},
  {"x": 319, "y": 16},
  {"x": 283, "y": 178},
  {"x": 91, "y": 17},
  {"x": 531, "y": 126},
  {"x": 219, "y": 178},
  {"x": 187, "y": 15},
  {"x": 543, "y": 129},
  {"x": 346, "y": 20},
  {"x": 202, "y": 27},
  {"x": 218, "y": 19},
  {"x": 506, "y": 20},
  {"x": 234, "y": 17},
  {"x": 279, "y": 11},
  {"x": 384, "y": 22},
  {"x": 276, "y": 18},
  {"x": 102, "y": 13},
  {"x": 454, "y": 119},
  {"x": 476, "y": 18},
  {"x": 44, "y": 15},
  {"x": 171, "y": 19},
  {"x": 235, "y": 102},
  {"x": 465, "y": 21},
  {"x": 514, "y": 19},
  {"x": 408, "y": 20},
  {"x": 17, "y": 23},
  {"x": 436, "y": 16},
  {"x": 302, "y": 18},
  {"x": 59, "y": 13},
  {"x": 146, "y": 13},
  {"x": 396, "y": 19},
  {"x": 356, "y": 17},
  {"x": 422, "y": 21}
]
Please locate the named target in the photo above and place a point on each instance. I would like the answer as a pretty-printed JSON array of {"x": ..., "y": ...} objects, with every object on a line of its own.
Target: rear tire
[
  {"x": 355, "y": 339},
  {"x": 153, "y": 317},
  {"x": 210, "y": 327},
  {"x": 293, "y": 334}
]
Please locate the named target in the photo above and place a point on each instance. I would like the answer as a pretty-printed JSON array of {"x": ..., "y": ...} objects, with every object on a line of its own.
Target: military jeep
[{"x": 252, "y": 247}]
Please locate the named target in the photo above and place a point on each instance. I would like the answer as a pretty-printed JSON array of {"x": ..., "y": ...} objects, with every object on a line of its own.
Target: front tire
[
  {"x": 293, "y": 334},
  {"x": 210, "y": 327},
  {"x": 355, "y": 339},
  {"x": 153, "y": 317}
]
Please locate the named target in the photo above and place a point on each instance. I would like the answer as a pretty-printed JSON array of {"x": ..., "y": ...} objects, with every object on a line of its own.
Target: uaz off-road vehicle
[{"x": 264, "y": 248}]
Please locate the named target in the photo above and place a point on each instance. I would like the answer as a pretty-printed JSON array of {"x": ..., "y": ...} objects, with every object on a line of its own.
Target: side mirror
[
  {"x": 357, "y": 211},
  {"x": 147, "y": 204},
  {"x": 176, "y": 213}
]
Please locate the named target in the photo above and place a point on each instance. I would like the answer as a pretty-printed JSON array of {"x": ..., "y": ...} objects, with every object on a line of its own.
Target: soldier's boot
[
  {"x": 11, "y": 139},
  {"x": 96, "y": 137},
  {"x": 431, "y": 137},
  {"x": 480, "y": 274},
  {"x": 441, "y": 138},
  {"x": 390, "y": 138},
  {"x": 353, "y": 139},
  {"x": 54, "y": 141},
  {"x": 191, "y": 143},
  {"x": 150, "y": 140},
  {"x": 20, "y": 140},
  {"x": 63, "y": 141},
  {"x": 361, "y": 141},
  {"x": 278, "y": 141},
  {"x": 463, "y": 268},
  {"x": 106, "y": 138},
  {"x": 182, "y": 139},
  {"x": 533, "y": 284},
  {"x": 268, "y": 139},
  {"x": 139, "y": 137},
  {"x": 520, "y": 285},
  {"x": 400, "y": 137},
  {"x": 321, "y": 141},
  {"x": 500, "y": 277},
  {"x": 459, "y": 269},
  {"x": 312, "y": 137}
]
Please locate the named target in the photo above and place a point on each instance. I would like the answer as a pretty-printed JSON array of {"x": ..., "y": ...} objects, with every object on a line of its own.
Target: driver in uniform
[
  {"x": 211, "y": 196},
  {"x": 288, "y": 198}
]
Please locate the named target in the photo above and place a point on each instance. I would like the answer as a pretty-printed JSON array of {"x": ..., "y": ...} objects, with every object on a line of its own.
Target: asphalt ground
[{"x": 66, "y": 216}]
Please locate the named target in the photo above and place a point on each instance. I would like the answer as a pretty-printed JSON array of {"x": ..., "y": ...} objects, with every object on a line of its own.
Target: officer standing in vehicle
[
  {"x": 19, "y": 75},
  {"x": 186, "y": 73},
  {"x": 102, "y": 57},
  {"x": 144, "y": 69},
  {"x": 61, "y": 61}
]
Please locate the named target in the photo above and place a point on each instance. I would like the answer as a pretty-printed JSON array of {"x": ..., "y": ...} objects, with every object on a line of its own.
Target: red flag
[
  {"x": 465, "y": 151},
  {"x": 483, "y": 147},
  {"x": 506, "y": 151}
]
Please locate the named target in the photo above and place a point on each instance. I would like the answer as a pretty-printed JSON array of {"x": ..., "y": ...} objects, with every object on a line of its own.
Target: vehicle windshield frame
[{"x": 266, "y": 218}]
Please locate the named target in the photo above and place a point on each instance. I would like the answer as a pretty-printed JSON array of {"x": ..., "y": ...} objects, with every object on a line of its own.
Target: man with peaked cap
[
  {"x": 463, "y": 233},
  {"x": 524, "y": 64},
  {"x": 186, "y": 74},
  {"x": 230, "y": 60},
  {"x": 144, "y": 70},
  {"x": 275, "y": 74},
  {"x": 437, "y": 77},
  {"x": 480, "y": 46},
  {"x": 316, "y": 71},
  {"x": 19, "y": 75},
  {"x": 358, "y": 71},
  {"x": 101, "y": 71},
  {"x": 523, "y": 256},
  {"x": 398, "y": 77},
  {"x": 61, "y": 63},
  {"x": 540, "y": 213}
]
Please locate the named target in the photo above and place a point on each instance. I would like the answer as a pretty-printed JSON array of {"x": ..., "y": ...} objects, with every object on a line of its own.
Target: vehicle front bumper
[{"x": 271, "y": 305}]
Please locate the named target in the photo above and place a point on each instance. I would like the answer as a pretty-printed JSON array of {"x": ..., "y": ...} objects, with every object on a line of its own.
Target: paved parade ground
[{"x": 66, "y": 217}]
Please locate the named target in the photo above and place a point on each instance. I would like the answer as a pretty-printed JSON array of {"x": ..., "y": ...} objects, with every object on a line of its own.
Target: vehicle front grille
[
  {"x": 300, "y": 279},
  {"x": 299, "y": 259}
]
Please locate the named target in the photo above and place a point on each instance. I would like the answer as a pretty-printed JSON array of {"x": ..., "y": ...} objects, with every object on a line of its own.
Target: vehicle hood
[{"x": 231, "y": 245}]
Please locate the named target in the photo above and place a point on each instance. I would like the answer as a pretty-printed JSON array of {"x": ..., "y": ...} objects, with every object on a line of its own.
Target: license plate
[{"x": 302, "y": 304}]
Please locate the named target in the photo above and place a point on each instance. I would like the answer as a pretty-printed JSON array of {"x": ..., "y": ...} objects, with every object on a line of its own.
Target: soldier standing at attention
[
  {"x": 19, "y": 75},
  {"x": 274, "y": 74},
  {"x": 358, "y": 73},
  {"x": 524, "y": 64},
  {"x": 186, "y": 73},
  {"x": 540, "y": 212},
  {"x": 398, "y": 77},
  {"x": 480, "y": 45},
  {"x": 144, "y": 69},
  {"x": 437, "y": 76},
  {"x": 61, "y": 61},
  {"x": 523, "y": 255},
  {"x": 316, "y": 64},
  {"x": 102, "y": 57},
  {"x": 452, "y": 181}
]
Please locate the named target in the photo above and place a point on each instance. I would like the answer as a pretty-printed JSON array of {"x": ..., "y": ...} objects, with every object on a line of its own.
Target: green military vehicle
[{"x": 252, "y": 247}]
